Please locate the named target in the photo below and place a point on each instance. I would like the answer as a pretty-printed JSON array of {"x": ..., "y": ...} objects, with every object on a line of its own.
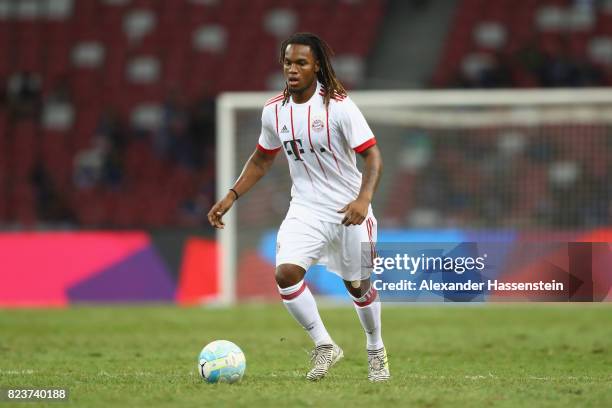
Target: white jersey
[{"x": 320, "y": 146}]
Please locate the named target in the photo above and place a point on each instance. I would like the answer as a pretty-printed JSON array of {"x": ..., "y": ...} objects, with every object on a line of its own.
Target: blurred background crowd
[{"x": 107, "y": 107}]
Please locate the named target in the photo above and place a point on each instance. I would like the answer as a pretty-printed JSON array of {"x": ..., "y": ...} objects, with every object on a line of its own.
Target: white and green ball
[{"x": 222, "y": 361}]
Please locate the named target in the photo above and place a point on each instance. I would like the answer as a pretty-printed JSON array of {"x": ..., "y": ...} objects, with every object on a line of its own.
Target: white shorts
[{"x": 346, "y": 251}]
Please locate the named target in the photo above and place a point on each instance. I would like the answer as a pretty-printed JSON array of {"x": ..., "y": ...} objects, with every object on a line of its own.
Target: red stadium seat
[
  {"x": 55, "y": 155},
  {"x": 24, "y": 149}
]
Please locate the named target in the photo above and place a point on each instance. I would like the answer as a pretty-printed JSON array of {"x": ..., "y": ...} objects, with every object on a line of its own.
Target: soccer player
[{"x": 320, "y": 130}]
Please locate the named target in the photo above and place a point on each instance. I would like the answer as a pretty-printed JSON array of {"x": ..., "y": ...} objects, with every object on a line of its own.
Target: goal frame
[{"x": 229, "y": 103}]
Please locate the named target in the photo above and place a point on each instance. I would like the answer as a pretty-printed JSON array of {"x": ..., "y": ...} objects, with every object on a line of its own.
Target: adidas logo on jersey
[{"x": 284, "y": 129}]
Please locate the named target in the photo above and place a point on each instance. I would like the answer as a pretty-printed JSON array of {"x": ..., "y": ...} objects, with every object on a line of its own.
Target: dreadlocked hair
[{"x": 323, "y": 53}]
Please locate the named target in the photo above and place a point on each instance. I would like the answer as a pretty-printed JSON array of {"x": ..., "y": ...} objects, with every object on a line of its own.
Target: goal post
[{"x": 455, "y": 113}]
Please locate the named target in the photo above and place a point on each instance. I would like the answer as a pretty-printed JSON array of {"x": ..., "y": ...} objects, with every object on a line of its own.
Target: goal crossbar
[{"x": 559, "y": 104}]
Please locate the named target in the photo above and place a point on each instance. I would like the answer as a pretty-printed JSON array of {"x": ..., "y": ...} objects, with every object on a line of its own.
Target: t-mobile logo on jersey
[{"x": 294, "y": 148}]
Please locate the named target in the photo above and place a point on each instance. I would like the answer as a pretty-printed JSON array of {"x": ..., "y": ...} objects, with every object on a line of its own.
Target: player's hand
[
  {"x": 217, "y": 211},
  {"x": 355, "y": 212}
]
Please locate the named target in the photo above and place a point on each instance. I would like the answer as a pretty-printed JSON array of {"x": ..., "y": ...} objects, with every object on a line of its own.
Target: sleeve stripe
[
  {"x": 275, "y": 99},
  {"x": 365, "y": 145},
  {"x": 267, "y": 151}
]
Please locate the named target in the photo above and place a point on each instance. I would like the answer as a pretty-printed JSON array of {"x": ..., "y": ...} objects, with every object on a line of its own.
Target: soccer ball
[{"x": 222, "y": 361}]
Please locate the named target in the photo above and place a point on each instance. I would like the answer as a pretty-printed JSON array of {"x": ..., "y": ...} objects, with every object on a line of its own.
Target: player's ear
[{"x": 317, "y": 66}]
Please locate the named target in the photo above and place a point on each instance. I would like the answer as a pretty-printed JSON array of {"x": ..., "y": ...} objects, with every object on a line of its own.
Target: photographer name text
[{"x": 467, "y": 286}]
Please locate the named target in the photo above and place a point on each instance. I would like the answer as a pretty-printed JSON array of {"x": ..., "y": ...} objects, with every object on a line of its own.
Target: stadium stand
[
  {"x": 508, "y": 44},
  {"x": 107, "y": 118},
  {"x": 107, "y": 114},
  {"x": 530, "y": 43}
]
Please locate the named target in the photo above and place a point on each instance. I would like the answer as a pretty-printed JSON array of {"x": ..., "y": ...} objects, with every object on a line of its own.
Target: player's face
[{"x": 299, "y": 67}]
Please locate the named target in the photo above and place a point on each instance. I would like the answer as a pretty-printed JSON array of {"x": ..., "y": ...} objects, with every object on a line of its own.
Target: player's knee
[{"x": 288, "y": 275}]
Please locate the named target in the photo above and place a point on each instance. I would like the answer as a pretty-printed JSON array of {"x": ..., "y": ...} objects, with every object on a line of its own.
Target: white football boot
[
  {"x": 378, "y": 365},
  {"x": 323, "y": 358}
]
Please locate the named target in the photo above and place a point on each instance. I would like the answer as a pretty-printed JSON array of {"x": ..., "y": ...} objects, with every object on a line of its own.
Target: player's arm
[
  {"x": 356, "y": 211},
  {"x": 255, "y": 168}
]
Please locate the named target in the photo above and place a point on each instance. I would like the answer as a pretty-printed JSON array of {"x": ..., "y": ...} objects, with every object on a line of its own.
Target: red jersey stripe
[
  {"x": 312, "y": 148},
  {"x": 274, "y": 99},
  {"x": 336, "y": 96},
  {"x": 329, "y": 140},
  {"x": 370, "y": 227},
  {"x": 365, "y": 145},
  {"x": 267, "y": 151},
  {"x": 276, "y": 115},
  {"x": 297, "y": 148}
]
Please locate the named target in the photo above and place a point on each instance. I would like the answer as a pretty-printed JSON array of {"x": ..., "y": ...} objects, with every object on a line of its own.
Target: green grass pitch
[{"x": 473, "y": 355}]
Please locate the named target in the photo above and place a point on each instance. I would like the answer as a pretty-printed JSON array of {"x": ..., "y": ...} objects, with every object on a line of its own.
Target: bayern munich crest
[{"x": 317, "y": 125}]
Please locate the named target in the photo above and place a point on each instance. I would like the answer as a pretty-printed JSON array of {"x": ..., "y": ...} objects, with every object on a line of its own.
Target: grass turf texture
[{"x": 476, "y": 355}]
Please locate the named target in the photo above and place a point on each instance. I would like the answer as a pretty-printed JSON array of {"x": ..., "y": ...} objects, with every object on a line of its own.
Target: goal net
[{"x": 513, "y": 160}]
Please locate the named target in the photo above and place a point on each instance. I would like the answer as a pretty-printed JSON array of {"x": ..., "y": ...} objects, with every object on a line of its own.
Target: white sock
[
  {"x": 368, "y": 310},
  {"x": 302, "y": 306}
]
